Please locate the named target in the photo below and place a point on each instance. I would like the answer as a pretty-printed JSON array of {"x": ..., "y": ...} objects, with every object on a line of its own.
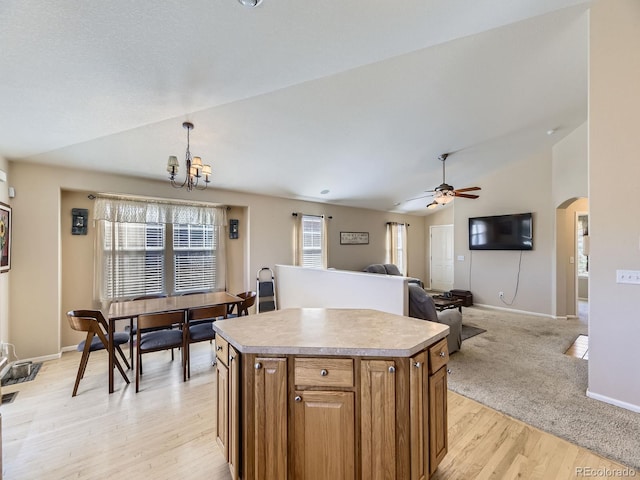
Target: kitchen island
[{"x": 331, "y": 393}]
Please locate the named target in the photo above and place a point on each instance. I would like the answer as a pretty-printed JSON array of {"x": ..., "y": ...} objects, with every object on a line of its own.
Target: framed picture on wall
[
  {"x": 354, "y": 238},
  {"x": 5, "y": 237}
]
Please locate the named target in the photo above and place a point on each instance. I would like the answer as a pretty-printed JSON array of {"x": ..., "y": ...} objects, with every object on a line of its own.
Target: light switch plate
[
  {"x": 628, "y": 276},
  {"x": 461, "y": 258}
]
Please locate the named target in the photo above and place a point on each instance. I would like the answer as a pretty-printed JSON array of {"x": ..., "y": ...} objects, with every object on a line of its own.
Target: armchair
[{"x": 421, "y": 306}]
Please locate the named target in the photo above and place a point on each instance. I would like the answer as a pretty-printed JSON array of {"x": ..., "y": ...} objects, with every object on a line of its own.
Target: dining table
[{"x": 130, "y": 309}]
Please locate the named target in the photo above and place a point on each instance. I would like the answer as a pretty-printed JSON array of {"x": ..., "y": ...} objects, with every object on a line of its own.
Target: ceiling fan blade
[
  {"x": 465, "y": 195},
  {"x": 468, "y": 189},
  {"x": 418, "y": 198}
]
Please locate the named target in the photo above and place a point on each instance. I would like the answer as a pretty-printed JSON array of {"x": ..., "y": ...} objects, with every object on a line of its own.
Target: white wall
[
  {"x": 570, "y": 168},
  {"x": 299, "y": 287},
  {"x": 521, "y": 187},
  {"x": 614, "y": 172}
]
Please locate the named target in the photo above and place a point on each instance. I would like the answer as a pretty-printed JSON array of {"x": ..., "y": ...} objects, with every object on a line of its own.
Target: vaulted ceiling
[{"x": 293, "y": 97}]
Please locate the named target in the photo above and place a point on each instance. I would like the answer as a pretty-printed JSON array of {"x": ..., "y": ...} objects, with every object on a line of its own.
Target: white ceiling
[{"x": 293, "y": 97}]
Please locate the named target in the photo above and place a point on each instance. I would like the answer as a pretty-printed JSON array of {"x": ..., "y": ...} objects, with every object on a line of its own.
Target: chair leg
[
  {"x": 83, "y": 362},
  {"x": 124, "y": 358},
  {"x": 124, "y": 375}
]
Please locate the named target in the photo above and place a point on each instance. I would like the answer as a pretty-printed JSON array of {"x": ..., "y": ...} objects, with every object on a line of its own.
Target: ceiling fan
[{"x": 444, "y": 192}]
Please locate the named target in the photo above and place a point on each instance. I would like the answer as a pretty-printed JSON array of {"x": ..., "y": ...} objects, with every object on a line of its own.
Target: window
[
  {"x": 310, "y": 234},
  {"x": 583, "y": 240},
  {"x": 136, "y": 267},
  {"x": 151, "y": 248},
  {"x": 140, "y": 264},
  {"x": 397, "y": 245},
  {"x": 312, "y": 241},
  {"x": 194, "y": 253}
]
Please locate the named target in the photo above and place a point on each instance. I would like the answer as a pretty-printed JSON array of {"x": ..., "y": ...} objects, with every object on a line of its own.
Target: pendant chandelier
[{"x": 196, "y": 171}]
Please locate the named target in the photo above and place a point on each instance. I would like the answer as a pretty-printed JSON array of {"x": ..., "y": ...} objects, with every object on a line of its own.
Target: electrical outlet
[{"x": 501, "y": 294}]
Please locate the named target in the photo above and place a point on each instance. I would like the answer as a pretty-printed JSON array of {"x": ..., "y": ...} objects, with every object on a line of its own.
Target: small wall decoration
[
  {"x": 354, "y": 238},
  {"x": 79, "y": 221},
  {"x": 5, "y": 237},
  {"x": 233, "y": 228}
]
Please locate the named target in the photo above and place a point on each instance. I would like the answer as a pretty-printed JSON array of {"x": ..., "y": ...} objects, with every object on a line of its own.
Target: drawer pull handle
[
  {"x": 449, "y": 371},
  {"x": 218, "y": 348},
  {"x": 324, "y": 373},
  {"x": 298, "y": 398},
  {"x": 258, "y": 366},
  {"x": 416, "y": 364},
  {"x": 442, "y": 354},
  {"x": 392, "y": 369},
  {"x": 231, "y": 357}
]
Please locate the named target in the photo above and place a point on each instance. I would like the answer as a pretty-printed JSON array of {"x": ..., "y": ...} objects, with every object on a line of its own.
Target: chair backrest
[
  {"x": 81, "y": 320},
  {"x": 203, "y": 313},
  {"x": 164, "y": 319},
  {"x": 249, "y": 301}
]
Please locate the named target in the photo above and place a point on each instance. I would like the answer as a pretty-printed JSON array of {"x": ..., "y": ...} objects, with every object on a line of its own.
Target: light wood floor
[{"x": 167, "y": 430}]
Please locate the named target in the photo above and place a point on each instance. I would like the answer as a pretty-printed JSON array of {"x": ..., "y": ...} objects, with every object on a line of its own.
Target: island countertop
[{"x": 320, "y": 331}]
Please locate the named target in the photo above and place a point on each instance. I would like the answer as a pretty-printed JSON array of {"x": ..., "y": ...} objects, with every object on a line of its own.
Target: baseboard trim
[
  {"x": 43, "y": 358},
  {"x": 613, "y": 401},
  {"x": 513, "y": 310}
]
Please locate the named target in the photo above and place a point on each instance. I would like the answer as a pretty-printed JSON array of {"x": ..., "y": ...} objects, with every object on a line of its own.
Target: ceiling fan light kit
[
  {"x": 196, "y": 171},
  {"x": 445, "y": 193}
]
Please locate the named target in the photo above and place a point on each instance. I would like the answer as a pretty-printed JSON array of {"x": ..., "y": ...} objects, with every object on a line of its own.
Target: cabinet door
[
  {"x": 270, "y": 418},
  {"x": 419, "y": 417},
  {"x": 378, "y": 419},
  {"x": 437, "y": 417},
  {"x": 324, "y": 440},
  {"x": 234, "y": 413},
  {"x": 222, "y": 423}
]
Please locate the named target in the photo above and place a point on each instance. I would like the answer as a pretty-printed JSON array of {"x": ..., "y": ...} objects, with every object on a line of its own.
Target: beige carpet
[{"x": 518, "y": 367}]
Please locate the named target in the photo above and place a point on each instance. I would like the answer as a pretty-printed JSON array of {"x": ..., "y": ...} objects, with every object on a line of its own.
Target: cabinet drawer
[
  {"x": 330, "y": 372},
  {"x": 222, "y": 350},
  {"x": 438, "y": 356}
]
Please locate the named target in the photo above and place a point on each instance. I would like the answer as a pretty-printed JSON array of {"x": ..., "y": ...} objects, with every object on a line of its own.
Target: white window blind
[
  {"x": 194, "y": 255},
  {"x": 312, "y": 241},
  {"x": 136, "y": 266}
]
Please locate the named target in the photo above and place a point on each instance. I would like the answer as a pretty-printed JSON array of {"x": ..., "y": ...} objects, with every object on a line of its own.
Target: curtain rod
[
  {"x": 295, "y": 214},
  {"x": 166, "y": 201}
]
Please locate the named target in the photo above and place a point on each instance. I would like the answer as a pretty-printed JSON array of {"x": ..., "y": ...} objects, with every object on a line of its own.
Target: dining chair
[
  {"x": 132, "y": 327},
  {"x": 249, "y": 299},
  {"x": 200, "y": 327},
  {"x": 93, "y": 323},
  {"x": 160, "y": 331}
]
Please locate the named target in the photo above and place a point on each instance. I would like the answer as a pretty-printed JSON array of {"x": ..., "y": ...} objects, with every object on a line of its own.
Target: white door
[{"x": 441, "y": 255}]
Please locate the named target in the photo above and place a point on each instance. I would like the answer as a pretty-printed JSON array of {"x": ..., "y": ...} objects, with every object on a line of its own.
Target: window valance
[{"x": 130, "y": 210}]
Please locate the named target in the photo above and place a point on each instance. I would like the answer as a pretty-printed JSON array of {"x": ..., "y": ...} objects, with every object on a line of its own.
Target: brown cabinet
[
  {"x": 222, "y": 418},
  {"x": 234, "y": 413},
  {"x": 324, "y": 438},
  {"x": 438, "y": 438},
  {"x": 314, "y": 417},
  {"x": 270, "y": 418},
  {"x": 378, "y": 419},
  {"x": 419, "y": 416}
]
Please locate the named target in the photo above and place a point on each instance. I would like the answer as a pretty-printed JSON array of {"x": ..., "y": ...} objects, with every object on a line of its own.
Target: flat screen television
[{"x": 501, "y": 232}]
